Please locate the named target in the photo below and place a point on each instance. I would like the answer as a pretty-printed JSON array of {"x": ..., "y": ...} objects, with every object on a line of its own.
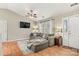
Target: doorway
[
  {"x": 3, "y": 30},
  {"x": 3, "y": 33}
]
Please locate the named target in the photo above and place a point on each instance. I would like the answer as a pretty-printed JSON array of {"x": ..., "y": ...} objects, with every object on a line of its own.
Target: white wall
[
  {"x": 68, "y": 39},
  {"x": 58, "y": 19},
  {"x": 13, "y": 19}
]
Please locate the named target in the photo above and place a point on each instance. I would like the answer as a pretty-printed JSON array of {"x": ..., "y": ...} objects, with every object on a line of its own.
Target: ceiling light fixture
[{"x": 31, "y": 14}]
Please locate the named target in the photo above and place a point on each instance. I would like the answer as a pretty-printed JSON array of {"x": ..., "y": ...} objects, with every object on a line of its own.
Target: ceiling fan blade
[
  {"x": 31, "y": 11},
  {"x": 35, "y": 16},
  {"x": 28, "y": 13},
  {"x": 74, "y": 4}
]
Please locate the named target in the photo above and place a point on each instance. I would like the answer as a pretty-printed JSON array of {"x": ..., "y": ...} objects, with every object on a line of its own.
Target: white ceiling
[{"x": 44, "y": 9}]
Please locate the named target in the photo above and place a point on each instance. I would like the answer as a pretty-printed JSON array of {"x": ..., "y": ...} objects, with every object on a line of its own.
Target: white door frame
[
  {"x": 4, "y": 30},
  {"x": 65, "y": 31}
]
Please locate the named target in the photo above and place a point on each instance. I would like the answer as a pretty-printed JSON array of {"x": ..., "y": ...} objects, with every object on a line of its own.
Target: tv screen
[{"x": 24, "y": 25}]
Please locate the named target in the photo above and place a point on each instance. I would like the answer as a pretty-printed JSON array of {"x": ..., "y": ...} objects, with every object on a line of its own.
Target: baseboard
[
  {"x": 74, "y": 49},
  {"x": 16, "y": 40}
]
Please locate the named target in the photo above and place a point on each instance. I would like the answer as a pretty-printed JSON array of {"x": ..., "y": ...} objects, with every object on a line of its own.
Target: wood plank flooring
[
  {"x": 55, "y": 51},
  {"x": 12, "y": 49}
]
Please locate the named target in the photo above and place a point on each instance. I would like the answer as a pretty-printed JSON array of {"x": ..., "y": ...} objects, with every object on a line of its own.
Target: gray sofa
[{"x": 37, "y": 42}]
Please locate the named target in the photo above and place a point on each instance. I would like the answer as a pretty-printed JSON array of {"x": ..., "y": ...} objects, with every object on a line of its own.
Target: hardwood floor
[
  {"x": 12, "y": 49},
  {"x": 55, "y": 51}
]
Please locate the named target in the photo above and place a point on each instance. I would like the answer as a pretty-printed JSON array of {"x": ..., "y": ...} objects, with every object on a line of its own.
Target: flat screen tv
[{"x": 24, "y": 25}]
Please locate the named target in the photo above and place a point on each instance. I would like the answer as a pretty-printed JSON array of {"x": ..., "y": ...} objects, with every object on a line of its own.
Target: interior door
[
  {"x": 74, "y": 31},
  {"x": 3, "y": 30}
]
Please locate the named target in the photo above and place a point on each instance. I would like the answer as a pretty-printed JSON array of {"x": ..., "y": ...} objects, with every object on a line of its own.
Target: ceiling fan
[
  {"x": 74, "y": 4},
  {"x": 31, "y": 14}
]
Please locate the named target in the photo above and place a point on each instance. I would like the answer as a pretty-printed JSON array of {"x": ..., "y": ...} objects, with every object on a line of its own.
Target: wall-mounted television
[{"x": 24, "y": 24}]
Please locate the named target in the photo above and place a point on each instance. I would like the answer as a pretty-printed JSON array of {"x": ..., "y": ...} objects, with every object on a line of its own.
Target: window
[{"x": 47, "y": 27}]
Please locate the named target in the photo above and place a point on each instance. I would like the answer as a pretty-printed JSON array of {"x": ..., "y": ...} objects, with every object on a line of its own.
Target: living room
[{"x": 38, "y": 29}]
